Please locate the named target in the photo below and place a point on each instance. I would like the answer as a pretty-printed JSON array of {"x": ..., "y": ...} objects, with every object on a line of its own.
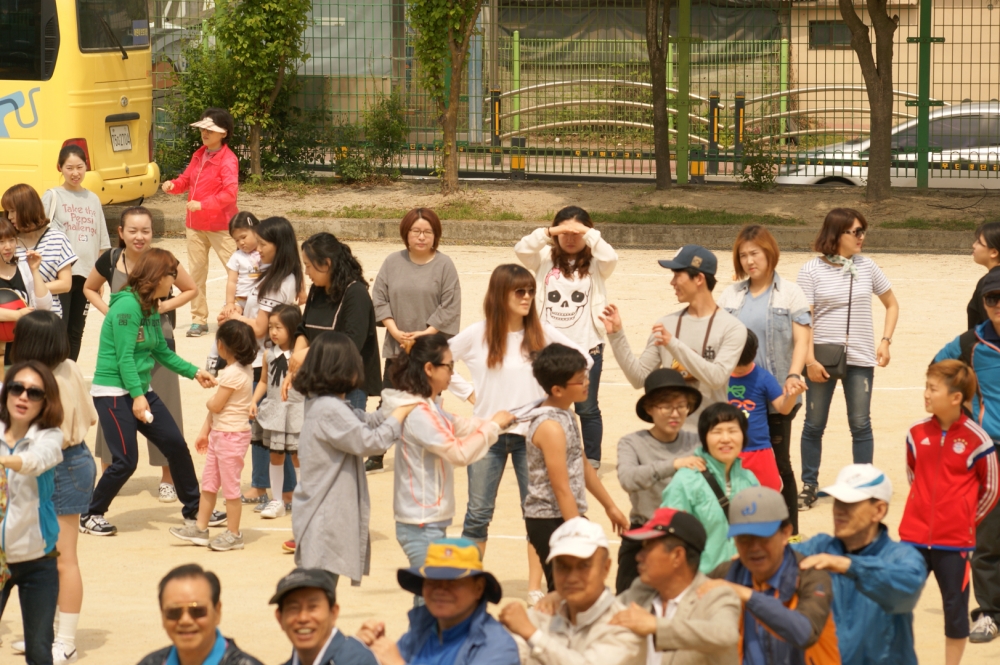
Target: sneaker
[
  {"x": 374, "y": 465},
  {"x": 535, "y": 596},
  {"x": 197, "y": 330},
  {"x": 288, "y": 546},
  {"x": 191, "y": 533},
  {"x": 63, "y": 654},
  {"x": 167, "y": 493},
  {"x": 217, "y": 518},
  {"x": 274, "y": 509},
  {"x": 253, "y": 501},
  {"x": 807, "y": 497},
  {"x": 212, "y": 365},
  {"x": 984, "y": 630},
  {"x": 96, "y": 525},
  {"x": 17, "y": 647},
  {"x": 262, "y": 505},
  {"x": 225, "y": 541}
]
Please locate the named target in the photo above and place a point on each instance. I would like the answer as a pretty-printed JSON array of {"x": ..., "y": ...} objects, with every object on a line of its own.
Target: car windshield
[
  {"x": 107, "y": 25},
  {"x": 21, "y": 40}
]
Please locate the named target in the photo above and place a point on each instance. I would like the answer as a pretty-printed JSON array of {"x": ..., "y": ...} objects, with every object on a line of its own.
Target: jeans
[
  {"x": 260, "y": 463},
  {"x": 591, "y": 423},
  {"x": 120, "y": 427},
  {"x": 74, "y": 481},
  {"x": 858, "y": 393},
  {"x": 484, "y": 481},
  {"x": 358, "y": 398},
  {"x": 414, "y": 539},
  {"x": 75, "y": 306},
  {"x": 781, "y": 442},
  {"x": 37, "y": 585}
]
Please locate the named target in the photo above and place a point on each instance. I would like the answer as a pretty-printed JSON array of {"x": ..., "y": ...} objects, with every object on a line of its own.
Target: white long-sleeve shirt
[{"x": 508, "y": 386}]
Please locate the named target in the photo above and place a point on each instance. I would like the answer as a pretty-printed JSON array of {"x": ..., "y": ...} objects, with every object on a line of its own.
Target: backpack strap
[
  {"x": 719, "y": 494},
  {"x": 967, "y": 342}
]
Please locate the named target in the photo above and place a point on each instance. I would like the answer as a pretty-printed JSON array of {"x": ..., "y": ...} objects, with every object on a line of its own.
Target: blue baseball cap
[
  {"x": 756, "y": 511},
  {"x": 692, "y": 256}
]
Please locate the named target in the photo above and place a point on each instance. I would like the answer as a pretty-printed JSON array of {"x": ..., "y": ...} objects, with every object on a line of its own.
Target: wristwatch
[{"x": 797, "y": 376}]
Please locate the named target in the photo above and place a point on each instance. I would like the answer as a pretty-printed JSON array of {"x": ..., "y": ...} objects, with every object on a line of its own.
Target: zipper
[
  {"x": 10, "y": 497},
  {"x": 937, "y": 477}
]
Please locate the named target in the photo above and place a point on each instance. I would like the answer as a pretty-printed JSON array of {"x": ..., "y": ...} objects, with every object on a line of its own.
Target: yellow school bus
[{"x": 77, "y": 71}]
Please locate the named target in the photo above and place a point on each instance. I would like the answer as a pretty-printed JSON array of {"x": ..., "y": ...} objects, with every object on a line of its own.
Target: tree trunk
[
  {"x": 255, "y": 169},
  {"x": 449, "y": 157},
  {"x": 458, "y": 50},
  {"x": 656, "y": 45},
  {"x": 876, "y": 68}
]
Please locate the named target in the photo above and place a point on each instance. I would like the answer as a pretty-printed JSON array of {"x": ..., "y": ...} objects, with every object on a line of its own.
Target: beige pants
[{"x": 198, "y": 244}]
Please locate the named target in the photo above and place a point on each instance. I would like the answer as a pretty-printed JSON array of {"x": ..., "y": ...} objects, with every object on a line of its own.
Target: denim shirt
[{"x": 787, "y": 305}]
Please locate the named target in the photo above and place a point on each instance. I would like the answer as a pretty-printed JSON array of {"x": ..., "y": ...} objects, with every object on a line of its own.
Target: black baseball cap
[
  {"x": 670, "y": 522},
  {"x": 306, "y": 578},
  {"x": 665, "y": 378},
  {"x": 693, "y": 256},
  {"x": 991, "y": 283}
]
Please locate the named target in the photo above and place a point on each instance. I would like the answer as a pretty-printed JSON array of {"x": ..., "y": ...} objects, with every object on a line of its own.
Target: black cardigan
[{"x": 356, "y": 320}]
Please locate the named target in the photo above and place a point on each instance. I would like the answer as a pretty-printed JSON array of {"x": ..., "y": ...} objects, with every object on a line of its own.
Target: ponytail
[{"x": 407, "y": 371}]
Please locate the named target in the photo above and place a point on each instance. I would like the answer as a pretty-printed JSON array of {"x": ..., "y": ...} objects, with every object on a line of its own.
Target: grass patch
[
  {"x": 461, "y": 209},
  {"x": 678, "y": 216},
  {"x": 932, "y": 224}
]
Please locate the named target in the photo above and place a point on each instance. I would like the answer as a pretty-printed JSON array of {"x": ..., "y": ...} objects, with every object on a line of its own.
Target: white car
[{"x": 965, "y": 153}]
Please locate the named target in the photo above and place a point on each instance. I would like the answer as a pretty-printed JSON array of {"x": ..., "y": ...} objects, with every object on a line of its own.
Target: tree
[
  {"x": 263, "y": 41},
  {"x": 657, "y": 36},
  {"x": 444, "y": 29},
  {"x": 876, "y": 68}
]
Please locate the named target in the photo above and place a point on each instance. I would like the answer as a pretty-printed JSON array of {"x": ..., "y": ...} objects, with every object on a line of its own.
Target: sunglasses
[
  {"x": 857, "y": 233},
  {"x": 991, "y": 299},
  {"x": 524, "y": 293},
  {"x": 194, "y": 610},
  {"x": 16, "y": 389},
  {"x": 172, "y": 274}
]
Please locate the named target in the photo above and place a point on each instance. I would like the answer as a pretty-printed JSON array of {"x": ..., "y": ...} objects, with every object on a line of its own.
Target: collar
[
  {"x": 775, "y": 581},
  {"x": 561, "y": 623},
  {"x": 214, "y": 656},
  {"x": 28, "y": 436},
  {"x": 675, "y": 600},
  {"x": 988, "y": 333},
  {"x": 322, "y": 652},
  {"x": 745, "y": 284}
]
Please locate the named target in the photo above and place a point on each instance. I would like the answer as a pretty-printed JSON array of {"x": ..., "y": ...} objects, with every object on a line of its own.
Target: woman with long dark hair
[
  {"x": 416, "y": 292},
  {"x": 131, "y": 342},
  {"x": 777, "y": 312},
  {"x": 839, "y": 285},
  {"x": 985, "y": 252},
  {"x": 571, "y": 263},
  {"x": 135, "y": 237},
  {"x": 30, "y": 449}
]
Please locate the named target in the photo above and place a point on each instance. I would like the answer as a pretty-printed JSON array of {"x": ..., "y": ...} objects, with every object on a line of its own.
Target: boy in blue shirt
[{"x": 752, "y": 389}]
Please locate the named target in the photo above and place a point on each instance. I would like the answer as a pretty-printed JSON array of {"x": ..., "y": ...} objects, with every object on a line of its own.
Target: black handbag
[{"x": 833, "y": 357}]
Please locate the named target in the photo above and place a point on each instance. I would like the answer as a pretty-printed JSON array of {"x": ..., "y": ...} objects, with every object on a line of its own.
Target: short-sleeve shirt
[
  {"x": 286, "y": 294},
  {"x": 567, "y": 307},
  {"x": 56, "y": 254},
  {"x": 80, "y": 216},
  {"x": 751, "y": 394},
  {"x": 247, "y": 268},
  {"x": 828, "y": 290},
  {"x": 235, "y": 415}
]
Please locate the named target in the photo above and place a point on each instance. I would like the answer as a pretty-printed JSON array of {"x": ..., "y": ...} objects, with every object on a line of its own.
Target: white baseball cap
[
  {"x": 858, "y": 482},
  {"x": 577, "y": 537},
  {"x": 209, "y": 124}
]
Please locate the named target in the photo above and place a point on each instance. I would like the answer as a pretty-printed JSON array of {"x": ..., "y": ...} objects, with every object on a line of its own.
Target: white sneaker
[
  {"x": 984, "y": 630},
  {"x": 167, "y": 493},
  {"x": 62, "y": 653},
  {"x": 17, "y": 647},
  {"x": 273, "y": 509}
]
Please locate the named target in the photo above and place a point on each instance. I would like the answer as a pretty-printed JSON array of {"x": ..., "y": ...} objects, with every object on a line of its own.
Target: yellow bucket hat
[{"x": 449, "y": 559}]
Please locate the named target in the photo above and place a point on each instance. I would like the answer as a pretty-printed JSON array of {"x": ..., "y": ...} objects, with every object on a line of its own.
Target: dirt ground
[
  {"x": 538, "y": 201},
  {"x": 120, "y": 621}
]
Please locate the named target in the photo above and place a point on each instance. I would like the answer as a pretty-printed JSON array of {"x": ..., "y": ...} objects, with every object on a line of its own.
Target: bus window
[
  {"x": 107, "y": 25},
  {"x": 21, "y": 40}
]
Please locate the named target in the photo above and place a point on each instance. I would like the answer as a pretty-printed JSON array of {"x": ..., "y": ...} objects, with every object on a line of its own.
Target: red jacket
[
  {"x": 213, "y": 181},
  {"x": 953, "y": 484}
]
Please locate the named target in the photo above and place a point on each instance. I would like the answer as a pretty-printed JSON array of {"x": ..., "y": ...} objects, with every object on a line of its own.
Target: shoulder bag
[
  {"x": 717, "y": 489},
  {"x": 833, "y": 357}
]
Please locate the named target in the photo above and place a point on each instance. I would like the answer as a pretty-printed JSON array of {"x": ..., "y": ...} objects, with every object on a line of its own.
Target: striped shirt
[
  {"x": 56, "y": 253},
  {"x": 828, "y": 290}
]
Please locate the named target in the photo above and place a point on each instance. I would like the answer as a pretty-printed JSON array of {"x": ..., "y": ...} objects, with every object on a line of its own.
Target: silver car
[{"x": 965, "y": 153}]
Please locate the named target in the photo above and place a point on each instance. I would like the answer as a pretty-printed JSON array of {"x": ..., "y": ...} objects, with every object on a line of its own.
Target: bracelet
[
  {"x": 887, "y": 339},
  {"x": 796, "y": 376},
  {"x": 808, "y": 365}
]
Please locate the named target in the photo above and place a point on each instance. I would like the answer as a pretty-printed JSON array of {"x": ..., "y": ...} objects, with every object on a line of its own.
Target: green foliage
[
  {"x": 373, "y": 156},
  {"x": 440, "y": 26},
  {"x": 678, "y": 216},
  {"x": 758, "y": 167}
]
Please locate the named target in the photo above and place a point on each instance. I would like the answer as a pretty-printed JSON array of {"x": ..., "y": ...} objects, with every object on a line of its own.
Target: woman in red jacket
[{"x": 212, "y": 180}]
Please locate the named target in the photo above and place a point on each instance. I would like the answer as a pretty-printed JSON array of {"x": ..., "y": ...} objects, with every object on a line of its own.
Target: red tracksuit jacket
[
  {"x": 953, "y": 484},
  {"x": 213, "y": 181}
]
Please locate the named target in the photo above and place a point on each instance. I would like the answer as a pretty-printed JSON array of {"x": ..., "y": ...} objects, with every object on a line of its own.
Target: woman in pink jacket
[{"x": 212, "y": 181}]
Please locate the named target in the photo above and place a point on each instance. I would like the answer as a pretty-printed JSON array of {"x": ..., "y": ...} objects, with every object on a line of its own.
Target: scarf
[{"x": 838, "y": 260}]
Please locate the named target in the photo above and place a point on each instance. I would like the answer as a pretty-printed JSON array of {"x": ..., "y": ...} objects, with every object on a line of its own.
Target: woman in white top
[
  {"x": 571, "y": 263},
  {"x": 497, "y": 352},
  {"x": 839, "y": 287}
]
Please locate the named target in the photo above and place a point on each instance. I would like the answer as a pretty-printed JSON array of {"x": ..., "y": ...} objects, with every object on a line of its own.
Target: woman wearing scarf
[{"x": 838, "y": 286}]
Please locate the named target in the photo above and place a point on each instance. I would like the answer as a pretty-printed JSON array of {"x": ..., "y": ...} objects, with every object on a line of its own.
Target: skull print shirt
[{"x": 567, "y": 307}]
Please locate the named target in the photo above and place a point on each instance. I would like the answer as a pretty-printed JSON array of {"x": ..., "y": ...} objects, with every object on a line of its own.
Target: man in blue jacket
[
  {"x": 452, "y": 627},
  {"x": 876, "y": 580},
  {"x": 307, "y": 612},
  {"x": 980, "y": 348}
]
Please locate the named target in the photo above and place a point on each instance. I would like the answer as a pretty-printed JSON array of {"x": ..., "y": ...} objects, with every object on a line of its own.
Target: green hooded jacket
[
  {"x": 131, "y": 343},
  {"x": 690, "y": 492}
]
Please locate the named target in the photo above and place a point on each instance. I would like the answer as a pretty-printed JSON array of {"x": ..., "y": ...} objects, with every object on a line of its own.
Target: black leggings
[
  {"x": 781, "y": 435},
  {"x": 75, "y": 308}
]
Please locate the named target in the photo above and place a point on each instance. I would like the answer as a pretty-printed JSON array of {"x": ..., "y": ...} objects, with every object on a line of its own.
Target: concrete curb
[{"x": 649, "y": 236}]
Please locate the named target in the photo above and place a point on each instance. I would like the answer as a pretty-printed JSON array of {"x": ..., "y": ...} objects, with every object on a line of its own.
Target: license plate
[{"x": 121, "y": 139}]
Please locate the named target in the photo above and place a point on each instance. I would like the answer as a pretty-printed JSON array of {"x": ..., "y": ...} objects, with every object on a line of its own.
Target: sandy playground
[{"x": 121, "y": 623}]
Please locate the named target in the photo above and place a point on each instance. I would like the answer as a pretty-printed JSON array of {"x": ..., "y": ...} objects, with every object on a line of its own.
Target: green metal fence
[{"x": 569, "y": 80}]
